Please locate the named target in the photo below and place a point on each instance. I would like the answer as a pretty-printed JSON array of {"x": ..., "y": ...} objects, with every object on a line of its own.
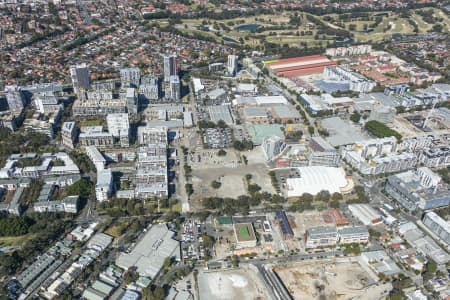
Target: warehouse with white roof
[
  {"x": 314, "y": 179},
  {"x": 365, "y": 214},
  {"x": 150, "y": 252}
]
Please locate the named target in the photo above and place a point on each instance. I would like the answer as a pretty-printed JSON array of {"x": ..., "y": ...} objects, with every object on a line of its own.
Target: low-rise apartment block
[
  {"x": 322, "y": 153},
  {"x": 151, "y": 135},
  {"x": 119, "y": 127},
  {"x": 321, "y": 236},
  {"x": 437, "y": 157},
  {"x": 378, "y": 156},
  {"x": 421, "y": 189},
  {"x": 358, "y": 234},
  {"x": 95, "y": 136},
  {"x": 438, "y": 226},
  {"x": 69, "y": 134},
  {"x": 70, "y": 204},
  {"x": 96, "y": 157},
  {"x": 151, "y": 172},
  {"x": 104, "y": 185}
]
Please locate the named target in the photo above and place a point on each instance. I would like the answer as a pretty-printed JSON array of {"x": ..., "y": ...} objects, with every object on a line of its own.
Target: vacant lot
[
  {"x": 230, "y": 172},
  {"x": 229, "y": 285},
  {"x": 328, "y": 280}
]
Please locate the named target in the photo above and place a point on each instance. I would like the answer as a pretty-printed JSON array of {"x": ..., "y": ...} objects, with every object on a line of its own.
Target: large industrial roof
[
  {"x": 365, "y": 213},
  {"x": 438, "y": 220},
  {"x": 315, "y": 179},
  {"x": 260, "y": 131},
  {"x": 285, "y": 111},
  {"x": 341, "y": 132},
  {"x": 150, "y": 252},
  {"x": 270, "y": 100},
  {"x": 220, "y": 112},
  {"x": 298, "y": 61}
]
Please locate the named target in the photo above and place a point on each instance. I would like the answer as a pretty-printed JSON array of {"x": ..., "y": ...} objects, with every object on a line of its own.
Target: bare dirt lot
[
  {"x": 233, "y": 284},
  {"x": 230, "y": 172},
  {"x": 302, "y": 221},
  {"x": 329, "y": 280}
]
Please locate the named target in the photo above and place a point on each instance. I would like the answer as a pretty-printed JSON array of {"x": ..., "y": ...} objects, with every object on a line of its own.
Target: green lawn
[
  {"x": 92, "y": 122},
  {"x": 390, "y": 24},
  {"x": 243, "y": 232}
]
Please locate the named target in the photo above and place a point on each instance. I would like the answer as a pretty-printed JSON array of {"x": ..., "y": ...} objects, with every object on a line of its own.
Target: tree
[
  {"x": 222, "y": 124},
  {"x": 208, "y": 241},
  {"x": 431, "y": 266},
  {"x": 168, "y": 261},
  {"x": 355, "y": 117},
  {"x": 334, "y": 203},
  {"x": 216, "y": 184},
  {"x": 82, "y": 188},
  {"x": 400, "y": 109},
  {"x": 374, "y": 233},
  {"x": 323, "y": 196},
  {"x": 253, "y": 188},
  {"x": 221, "y": 152},
  {"x": 14, "y": 226},
  {"x": 130, "y": 276},
  {"x": 437, "y": 28},
  {"x": 336, "y": 196},
  {"x": 306, "y": 197},
  {"x": 380, "y": 130},
  {"x": 153, "y": 292},
  {"x": 294, "y": 135},
  {"x": 243, "y": 146},
  {"x": 189, "y": 189}
]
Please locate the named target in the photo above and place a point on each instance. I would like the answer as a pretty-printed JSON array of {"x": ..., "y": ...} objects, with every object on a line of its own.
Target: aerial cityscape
[{"x": 202, "y": 150}]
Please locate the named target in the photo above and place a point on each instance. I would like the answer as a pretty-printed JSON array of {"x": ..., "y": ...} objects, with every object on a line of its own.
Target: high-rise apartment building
[
  {"x": 130, "y": 77},
  {"x": 173, "y": 88},
  {"x": 80, "y": 77},
  {"x": 69, "y": 134},
  {"x": 170, "y": 66},
  {"x": 232, "y": 64},
  {"x": 14, "y": 97}
]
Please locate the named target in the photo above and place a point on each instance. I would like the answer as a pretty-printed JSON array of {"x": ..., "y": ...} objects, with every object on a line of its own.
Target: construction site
[
  {"x": 229, "y": 170},
  {"x": 330, "y": 279},
  {"x": 242, "y": 283}
]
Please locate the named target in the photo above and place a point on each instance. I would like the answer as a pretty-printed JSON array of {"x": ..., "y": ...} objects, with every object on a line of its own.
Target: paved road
[
  {"x": 296, "y": 257},
  {"x": 182, "y": 182},
  {"x": 277, "y": 290}
]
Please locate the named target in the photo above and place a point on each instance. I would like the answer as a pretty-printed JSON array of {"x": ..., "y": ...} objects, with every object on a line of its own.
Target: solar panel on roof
[{"x": 284, "y": 223}]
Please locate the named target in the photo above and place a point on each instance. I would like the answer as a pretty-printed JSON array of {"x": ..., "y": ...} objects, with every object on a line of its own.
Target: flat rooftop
[
  {"x": 150, "y": 251},
  {"x": 341, "y": 132},
  {"x": 259, "y": 132},
  {"x": 245, "y": 232}
]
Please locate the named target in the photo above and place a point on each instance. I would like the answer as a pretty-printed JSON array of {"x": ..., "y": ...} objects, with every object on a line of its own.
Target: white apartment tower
[
  {"x": 68, "y": 134},
  {"x": 132, "y": 100},
  {"x": 170, "y": 66},
  {"x": 173, "y": 88},
  {"x": 232, "y": 64},
  {"x": 130, "y": 77},
  {"x": 272, "y": 147}
]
